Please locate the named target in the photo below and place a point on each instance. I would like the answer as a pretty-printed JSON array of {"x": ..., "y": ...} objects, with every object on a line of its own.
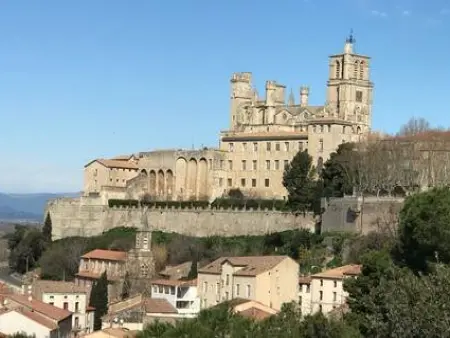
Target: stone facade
[
  {"x": 87, "y": 216},
  {"x": 263, "y": 136}
]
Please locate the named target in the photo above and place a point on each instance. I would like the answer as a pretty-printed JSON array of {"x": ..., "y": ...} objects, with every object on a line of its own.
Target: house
[
  {"x": 269, "y": 280},
  {"x": 68, "y": 296},
  {"x": 95, "y": 262},
  {"x": 136, "y": 312},
  {"x": 112, "y": 333},
  {"x": 251, "y": 309},
  {"x": 182, "y": 295},
  {"x": 304, "y": 295},
  {"x": 176, "y": 272},
  {"x": 22, "y": 313},
  {"x": 327, "y": 290}
]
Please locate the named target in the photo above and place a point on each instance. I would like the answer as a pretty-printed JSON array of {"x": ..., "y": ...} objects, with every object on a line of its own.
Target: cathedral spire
[
  {"x": 291, "y": 100},
  {"x": 348, "y": 49}
]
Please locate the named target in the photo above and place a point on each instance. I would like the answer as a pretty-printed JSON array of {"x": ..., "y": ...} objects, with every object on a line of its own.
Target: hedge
[{"x": 225, "y": 203}]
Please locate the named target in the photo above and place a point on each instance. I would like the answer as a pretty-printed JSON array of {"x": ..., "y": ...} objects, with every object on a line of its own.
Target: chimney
[{"x": 304, "y": 94}]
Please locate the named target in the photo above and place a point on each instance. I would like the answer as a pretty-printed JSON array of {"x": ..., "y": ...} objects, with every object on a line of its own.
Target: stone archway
[
  {"x": 202, "y": 182},
  {"x": 152, "y": 183},
  {"x": 161, "y": 184},
  {"x": 169, "y": 185},
  {"x": 192, "y": 179},
  {"x": 180, "y": 177}
]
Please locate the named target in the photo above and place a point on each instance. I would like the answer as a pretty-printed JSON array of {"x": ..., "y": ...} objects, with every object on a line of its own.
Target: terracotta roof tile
[
  {"x": 251, "y": 265},
  {"x": 256, "y": 314},
  {"x": 109, "y": 255},
  {"x": 182, "y": 268},
  {"x": 47, "y": 310},
  {"x": 115, "y": 164},
  {"x": 174, "y": 282},
  {"x": 340, "y": 272},
  {"x": 92, "y": 275},
  {"x": 120, "y": 333},
  {"x": 49, "y": 286},
  {"x": 304, "y": 280},
  {"x": 158, "y": 306}
]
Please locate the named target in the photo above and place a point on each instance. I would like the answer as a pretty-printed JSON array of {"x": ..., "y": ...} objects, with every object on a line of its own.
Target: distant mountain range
[{"x": 26, "y": 207}]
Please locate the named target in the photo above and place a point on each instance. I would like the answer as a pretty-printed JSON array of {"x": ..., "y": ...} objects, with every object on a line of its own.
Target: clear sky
[{"x": 96, "y": 78}]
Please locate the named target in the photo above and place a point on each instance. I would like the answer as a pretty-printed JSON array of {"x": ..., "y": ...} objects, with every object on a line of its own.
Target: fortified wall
[{"x": 88, "y": 216}]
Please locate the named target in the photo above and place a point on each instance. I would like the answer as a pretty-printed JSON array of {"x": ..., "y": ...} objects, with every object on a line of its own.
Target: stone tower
[
  {"x": 349, "y": 89},
  {"x": 140, "y": 264},
  {"x": 242, "y": 98}
]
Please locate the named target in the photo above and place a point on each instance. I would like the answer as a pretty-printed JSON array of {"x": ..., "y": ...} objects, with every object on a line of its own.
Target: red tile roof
[
  {"x": 91, "y": 275},
  {"x": 158, "y": 306},
  {"x": 47, "y": 310},
  {"x": 251, "y": 265},
  {"x": 256, "y": 314},
  {"x": 304, "y": 280},
  {"x": 340, "y": 272},
  {"x": 174, "y": 282},
  {"x": 106, "y": 255}
]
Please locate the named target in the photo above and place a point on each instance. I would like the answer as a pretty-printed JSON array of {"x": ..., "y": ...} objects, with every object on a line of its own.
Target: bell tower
[
  {"x": 140, "y": 264},
  {"x": 349, "y": 89}
]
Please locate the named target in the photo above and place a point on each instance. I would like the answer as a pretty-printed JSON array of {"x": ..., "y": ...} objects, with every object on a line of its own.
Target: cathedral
[{"x": 263, "y": 136}]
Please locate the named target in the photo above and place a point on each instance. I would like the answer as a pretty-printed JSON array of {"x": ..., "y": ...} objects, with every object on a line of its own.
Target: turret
[
  {"x": 242, "y": 95},
  {"x": 304, "y": 95}
]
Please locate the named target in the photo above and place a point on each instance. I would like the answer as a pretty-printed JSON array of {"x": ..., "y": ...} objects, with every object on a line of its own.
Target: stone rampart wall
[{"x": 80, "y": 217}]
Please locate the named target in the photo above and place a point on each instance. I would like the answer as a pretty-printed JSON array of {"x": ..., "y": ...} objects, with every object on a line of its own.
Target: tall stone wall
[
  {"x": 87, "y": 216},
  {"x": 353, "y": 214}
]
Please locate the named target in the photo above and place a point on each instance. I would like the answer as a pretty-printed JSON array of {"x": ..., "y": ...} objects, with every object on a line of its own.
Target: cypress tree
[
  {"x": 99, "y": 300},
  {"x": 47, "y": 229}
]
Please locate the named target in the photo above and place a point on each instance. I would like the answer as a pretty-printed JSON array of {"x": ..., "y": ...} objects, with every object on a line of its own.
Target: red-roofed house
[
  {"x": 95, "y": 262},
  {"x": 23, "y": 313}
]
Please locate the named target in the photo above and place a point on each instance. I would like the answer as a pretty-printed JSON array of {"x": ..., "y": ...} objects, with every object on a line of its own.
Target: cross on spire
[{"x": 351, "y": 38}]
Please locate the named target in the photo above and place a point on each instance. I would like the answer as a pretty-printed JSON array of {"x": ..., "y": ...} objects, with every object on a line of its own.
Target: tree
[
  {"x": 336, "y": 182},
  {"x": 126, "y": 286},
  {"x": 99, "y": 300},
  {"x": 298, "y": 179},
  {"x": 424, "y": 230},
  {"x": 414, "y": 126},
  {"x": 194, "y": 266},
  {"x": 28, "y": 245},
  {"x": 47, "y": 229}
]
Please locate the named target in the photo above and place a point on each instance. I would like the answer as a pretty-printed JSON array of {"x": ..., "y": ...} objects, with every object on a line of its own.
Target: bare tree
[{"x": 414, "y": 126}]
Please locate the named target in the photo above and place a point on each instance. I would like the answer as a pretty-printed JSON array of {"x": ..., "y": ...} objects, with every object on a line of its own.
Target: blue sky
[{"x": 87, "y": 79}]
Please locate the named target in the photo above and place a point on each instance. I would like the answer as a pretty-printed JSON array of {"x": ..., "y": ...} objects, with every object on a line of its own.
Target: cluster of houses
[{"x": 255, "y": 286}]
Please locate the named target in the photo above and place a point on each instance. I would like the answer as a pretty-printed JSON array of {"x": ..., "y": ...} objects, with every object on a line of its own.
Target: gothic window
[
  {"x": 355, "y": 70},
  {"x": 138, "y": 241},
  {"x": 145, "y": 243},
  {"x": 338, "y": 70},
  {"x": 319, "y": 164},
  {"x": 144, "y": 270},
  {"x": 321, "y": 145},
  {"x": 359, "y": 96},
  {"x": 361, "y": 70}
]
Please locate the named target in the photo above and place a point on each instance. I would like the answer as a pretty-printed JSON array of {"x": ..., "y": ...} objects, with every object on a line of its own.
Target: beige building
[
  {"x": 326, "y": 292},
  {"x": 263, "y": 136},
  {"x": 269, "y": 280},
  {"x": 22, "y": 313},
  {"x": 67, "y": 296}
]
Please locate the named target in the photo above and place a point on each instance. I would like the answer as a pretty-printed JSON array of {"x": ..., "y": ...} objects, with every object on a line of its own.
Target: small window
[
  {"x": 361, "y": 70},
  {"x": 244, "y": 146},
  {"x": 277, "y": 165},
  {"x": 320, "y": 295},
  {"x": 66, "y": 306},
  {"x": 220, "y": 181},
  {"x": 255, "y": 146},
  {"x": 268, "y": 164},
  {"x": 320, "y": 309},
  {"x": 230, "y": 164},
  {"x": 359, "y": 96},
  {"x": 244, "y": 165},
  {"x": 254, "y": 182},
  {"x": 268, "y": 145},
  {"x": 300, "y": 146},
  {"x": 277, "y": 146},
  {"x": 321, "y": 282},
  {"x": 320, "y": 145},
  {"x": 227, "y": 280},
  {"x": 286, "y": 146},
  {"x": 338, "y": 70},
  {"x": 267, "y": 182},
  {"x": 255, "y": 165},
  {"x": 308, "y": 288},
  {"x": 335, "y": 284},
  {"x": 248, "y": 291},
  {"x": 230, "y": 182},
  {"x": 286, "y": 163},
  {"x": 231, "y": 147},
  {"x": 243, "y": 182},
  {"x": 237, "y": 290},
  {"x": 334, "y": 296}
]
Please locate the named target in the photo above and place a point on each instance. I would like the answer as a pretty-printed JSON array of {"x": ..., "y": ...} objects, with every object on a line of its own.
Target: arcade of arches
[{"x": 190, "y": 181}]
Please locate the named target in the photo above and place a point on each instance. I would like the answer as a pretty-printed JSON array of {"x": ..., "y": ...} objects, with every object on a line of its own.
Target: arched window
[
  {"x": 319, "y": 165},
  {"x": 321, "y": 145},
  {"x": 338, "y": 70},
  {"x": 358, "y": 130},
  {"x": 144, "y": 270},
  {"x": 355, "y": 70},
  {"x": 361, "y": 70}
]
